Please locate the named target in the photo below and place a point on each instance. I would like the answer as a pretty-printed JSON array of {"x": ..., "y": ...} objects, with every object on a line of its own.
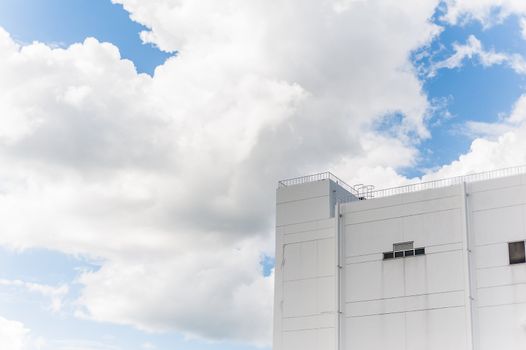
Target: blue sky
[
  {"x": 29, "y": 254},
  {"x": 473, "y": 92},
  {"x": 63, "y": 23}
]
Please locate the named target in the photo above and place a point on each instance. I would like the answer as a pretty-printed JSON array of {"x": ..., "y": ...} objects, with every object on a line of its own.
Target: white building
[{"x": 432, "y": 266}]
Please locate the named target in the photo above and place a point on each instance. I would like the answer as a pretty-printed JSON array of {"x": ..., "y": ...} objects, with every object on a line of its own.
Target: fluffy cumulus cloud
[
  {"x": 498, "y": 145},
  {"x": 169, "y": 180}
]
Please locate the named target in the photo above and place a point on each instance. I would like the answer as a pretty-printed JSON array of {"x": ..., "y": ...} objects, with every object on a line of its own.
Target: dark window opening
[
  {"x": 409, "y": 252},
  {"x": 517, "y": 252},
  {"x": 404, "y": 249},
  {"x": 420, "y": 251}
]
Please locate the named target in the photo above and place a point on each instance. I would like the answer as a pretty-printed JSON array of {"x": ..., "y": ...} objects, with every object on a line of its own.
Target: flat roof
[{"x": 368, "y": 192}]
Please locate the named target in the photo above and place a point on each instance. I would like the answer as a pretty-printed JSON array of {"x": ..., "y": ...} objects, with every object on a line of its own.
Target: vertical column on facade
[
  {"x": 470, "y": 273},
  {"x": 340, "y": 263}
]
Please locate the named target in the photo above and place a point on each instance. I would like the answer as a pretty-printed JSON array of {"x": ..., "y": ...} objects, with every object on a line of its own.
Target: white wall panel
[
  {"x": 308, "y": 235},
  {"x": 326, "y": 257},
  {"x": 305, "y": 210},
  {"x": 446, "y": 247},
  {"x": 314, "y": 339},
  {"x": 502, "y": 275},
  {"x": 442, "y": 329},
  {"x": 437, "y": 228},
  {"x": 326, "y": 338},
  {"x": 303, "y": 191},
  {"x": 503, "y": 327},
  {"x": 496, "y": 184},
  {"x": 492, "y": 255},
  {"x": 363, "y": 281},
  {"x": 378, "y": 332},
  {"x": 497, "y": 198},
  {"x": 326, "y": 294},
  {"x": 415, "y": 275},
  {"x": 498, "y": 225},
  {"x": 292, "y": 262},
  {"x": 372, "y": 237},
  {"x": 309, "y": 322},
  {"x": 445, "y": 272},
  {"x": 499, "y": 295},
  {"x": 404, "y": 209},
  {"x": 309, "y": 259},
  {"x": 374, "y": 280},
  {"x": 300, "y": 298},
  {"x": 301, "y": 340},
  {"x": 405, "y": 304},
  {"x": 303, "y": 227}
]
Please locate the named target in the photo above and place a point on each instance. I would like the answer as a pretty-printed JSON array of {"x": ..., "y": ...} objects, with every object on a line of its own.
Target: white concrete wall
[
  {"x": 305, "y": 311},
  {"x": 497, "y": 216},
  {"x": 406, "y": 303}
]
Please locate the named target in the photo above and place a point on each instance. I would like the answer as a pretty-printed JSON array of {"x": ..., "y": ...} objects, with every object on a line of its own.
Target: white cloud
[
  {"x": 486, "y": 130},
  {"x": 493, "y": 149},
  {"x": 184, "y": 293},
  {"x": 488, "y": 12},
  {"x": 55, "y": 294},
  {"x": 13, "y": 335},
  {"x": 148, "y": 346},
  {"x": 82, "y": 345},
  {"x": 523, "y": 27},
  {"x": 474, "y": 49},
  {"x": 169, "y": 180},
  {"x": 517, "y": 63}
]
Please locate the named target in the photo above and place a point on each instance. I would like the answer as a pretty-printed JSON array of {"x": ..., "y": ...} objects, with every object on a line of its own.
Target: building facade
[{"x": 431, "y": 266}]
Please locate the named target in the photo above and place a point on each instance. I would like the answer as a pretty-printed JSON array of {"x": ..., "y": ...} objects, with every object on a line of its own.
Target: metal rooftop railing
[
  {"x": 367, "y": 192},
  {"x": 318, "y": 177},
  {"x": 428, "y": 185}
]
